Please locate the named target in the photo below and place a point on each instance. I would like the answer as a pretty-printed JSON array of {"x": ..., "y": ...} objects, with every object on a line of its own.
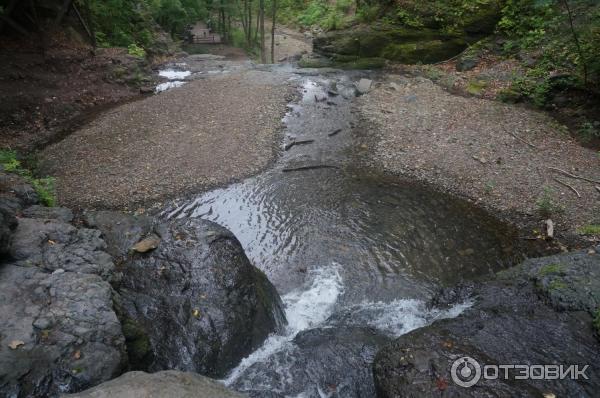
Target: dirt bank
[
  {"x": 205, "y": 133},
  {"x": 46, "y": 93},
  {"x": 500, "y": 156}
]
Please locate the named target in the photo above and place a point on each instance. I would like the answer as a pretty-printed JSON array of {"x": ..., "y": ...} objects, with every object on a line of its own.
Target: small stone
[{"x": 364, "y": 86}]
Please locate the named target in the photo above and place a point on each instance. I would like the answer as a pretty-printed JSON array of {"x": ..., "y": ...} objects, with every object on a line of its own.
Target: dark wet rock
[
  {"x": 195, "y": 303},
  {"x": 54, "y": 245},
  {"x": 513, "y": 321},
  {"x": 172, "y": 384},
  {"x": 49, "y": 213},
  {"x": 335, "y": 360},
  {"x": 72, "y": 337},
  {"x": 17, "y": 188},
  {"x": 466, "y": 64},
  {"x": 15, "y": 193},
  {"x": 120, "y": 231},
  {"x": 569, "y": 282}
]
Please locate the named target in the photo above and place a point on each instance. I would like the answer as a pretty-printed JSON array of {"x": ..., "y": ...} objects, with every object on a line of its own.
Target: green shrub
[
  {"x": 589, "y": 131},
  {"x": 136, "y": 51},
  {"x": 44, "y": 187},
  {"x": 590, "y": 229},
  {"x": 546, "y": 206}
]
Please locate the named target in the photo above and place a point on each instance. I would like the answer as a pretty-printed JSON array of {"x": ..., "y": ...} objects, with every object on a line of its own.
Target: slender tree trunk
[
  {"x": 263, "y": 54},
  {"x": 249, "y": 23},
  {"x": 577, "y": 43},
  {"x": 257, "y": 24},
  {"x": 273, "y": 16}
]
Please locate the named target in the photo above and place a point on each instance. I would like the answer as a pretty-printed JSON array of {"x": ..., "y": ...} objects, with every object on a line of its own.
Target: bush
[
  {"x": 136, "y": 51},
  {"x": 44, "y": 187}
]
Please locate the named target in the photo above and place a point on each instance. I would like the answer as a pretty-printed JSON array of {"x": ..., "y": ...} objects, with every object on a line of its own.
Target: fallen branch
[
  {"x": 574, "y": 176},
  {"x": 568, "y": 186},
  {"x": 293, "y": 143},
  {"x": 522, "y": 140},
  {"x": 336, "y": 132},
  {"x": 318, "y": 166}
]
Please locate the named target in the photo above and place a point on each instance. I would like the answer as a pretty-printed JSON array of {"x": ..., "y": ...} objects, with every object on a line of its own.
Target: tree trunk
[
  {"x": 263, "y": 55},
  {"x": 274, "y": 15}
]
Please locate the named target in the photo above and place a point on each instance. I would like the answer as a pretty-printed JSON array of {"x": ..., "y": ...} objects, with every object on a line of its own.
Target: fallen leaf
[
  {"x": 51, "y": 242},
  {"x": 15, "y": 344},
  {"x": 441, "y": 384},
  {"x": 77, "y": 354},
  {"x": 549, "y": 395},
  {"x": 196, "y": 313},
  {"x": 147, "y": 244}
]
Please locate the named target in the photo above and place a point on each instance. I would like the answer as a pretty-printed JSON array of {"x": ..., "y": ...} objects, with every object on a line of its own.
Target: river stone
[
  {"x": 170, "y": 383},
  {"x": 195, "y": 302},
  {"x": 336, "y": 359},
  {"x": 510, "y": 323},
  {"x": 364, "y": 86}
]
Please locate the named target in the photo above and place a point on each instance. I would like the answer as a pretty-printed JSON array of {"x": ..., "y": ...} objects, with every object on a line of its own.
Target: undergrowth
[{"x": 44, "y": 187}]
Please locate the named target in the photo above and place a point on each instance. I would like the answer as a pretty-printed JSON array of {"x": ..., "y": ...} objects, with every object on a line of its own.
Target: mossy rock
[
  {"x": 476, "y": 87},
  {"x": 139, "y": 349},
  {"x": 408, "y": 46}
]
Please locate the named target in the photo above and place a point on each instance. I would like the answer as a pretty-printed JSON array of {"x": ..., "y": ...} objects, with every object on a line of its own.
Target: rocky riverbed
[{"x": 384, "y": 282}]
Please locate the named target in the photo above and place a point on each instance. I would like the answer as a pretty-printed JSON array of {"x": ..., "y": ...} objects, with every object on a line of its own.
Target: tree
[{"x": 274, "y": 17}]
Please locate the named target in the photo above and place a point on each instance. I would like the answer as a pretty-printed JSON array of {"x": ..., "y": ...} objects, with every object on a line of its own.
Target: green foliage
[
  {"x": 590, "y": 229},
  {"x": 589, "y": 131},
  {"x": 545, "y": 204},
  {"x": 543, "y": 28},
  {"x": 135, "y": 50},
  {"x": 551, "y": 269},
  {"x": 44, "y": 187}
]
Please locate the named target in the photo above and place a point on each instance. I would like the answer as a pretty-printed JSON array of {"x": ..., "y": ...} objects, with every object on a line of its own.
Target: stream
[{"x": 354, "y": 254}]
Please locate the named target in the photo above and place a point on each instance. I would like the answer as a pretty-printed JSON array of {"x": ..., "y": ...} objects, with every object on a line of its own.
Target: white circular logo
[{"x": 465, "y": 372}]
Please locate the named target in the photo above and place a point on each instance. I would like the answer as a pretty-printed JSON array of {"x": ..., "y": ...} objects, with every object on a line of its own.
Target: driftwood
[
  {"x": 522, "y": 140},
  {"x": 336, "y": 132},
  {"x": 313, "y": 167},
  {"x": 294, "y": 143},
  {"x": 568, "y": 186},
  {"x": 574, "y": 176},
  {"x": 549, "y": 229}
]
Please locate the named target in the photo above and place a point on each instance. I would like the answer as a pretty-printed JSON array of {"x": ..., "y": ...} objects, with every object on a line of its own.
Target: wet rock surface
[
  {"x": 330, "y": 361},
  {"x": 517, "y": 319},
  {"x": 59, "y": 332},
  {"x": 170, "y": 384},
  {"x": 193, "y": 303}
]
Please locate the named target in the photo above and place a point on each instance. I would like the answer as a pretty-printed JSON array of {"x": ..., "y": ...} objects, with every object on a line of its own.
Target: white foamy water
[
  {"x": 315, "y": 305},
  {"x": 303, "y": 310},
  {"x": 398, "y": 317},
  {"x": 168, "y": 85},
  {"x": 173, "y": 74}
]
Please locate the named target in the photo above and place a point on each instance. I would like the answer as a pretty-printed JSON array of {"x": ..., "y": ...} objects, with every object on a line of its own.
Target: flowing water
[{"x": 355, "y": 255}]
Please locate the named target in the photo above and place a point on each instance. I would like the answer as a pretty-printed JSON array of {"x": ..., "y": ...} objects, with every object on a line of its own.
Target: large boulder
[
  {"x": 172, "y": 384},
  {"x": 59, "y": 332},
  {"x": 194, "y": 303},
  {"x": 538, "y": 313}
]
